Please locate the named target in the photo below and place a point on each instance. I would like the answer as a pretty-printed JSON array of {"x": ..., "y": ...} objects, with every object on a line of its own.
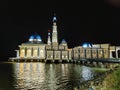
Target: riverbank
[
  {"x": 110, "y": 80},
  {"x": 106, "y": 79}
]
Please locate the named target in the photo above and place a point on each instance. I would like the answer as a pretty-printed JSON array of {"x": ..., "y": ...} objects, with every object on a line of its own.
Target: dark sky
[{"x": 79, "y": 21}]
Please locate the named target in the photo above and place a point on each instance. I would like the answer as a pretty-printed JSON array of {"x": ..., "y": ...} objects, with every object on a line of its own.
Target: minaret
[
  {"x": 54, "y": 34},
  {"x": 49, "y": 40}
]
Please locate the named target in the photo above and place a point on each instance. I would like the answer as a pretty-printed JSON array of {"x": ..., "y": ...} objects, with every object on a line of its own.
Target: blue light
[
  {"x": 35, "y": 37},
  {"x": 54, "y": 19},
  {"x": 38, "y": 37},
  {"x": 63, "y": 41},
  {"x": 49, "y": 34},
  {"x": 86, "y": 45},
  {"x": 31, "y": 37}
]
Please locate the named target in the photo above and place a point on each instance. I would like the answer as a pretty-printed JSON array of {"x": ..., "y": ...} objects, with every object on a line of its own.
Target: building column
[
  {"x": 29, "y": 52},
  {"x": 117, "y": 53},
  {"x": 25, "y": 52},
  {"x": 38, "y": 52},
  {"x": 35, "y": 52},
  {"x": 22, "y": 52},
  {"x": 111, "y": 54},
  {"x": 69, "y": 57},
  {"x": 78, "y": 53},
  {"x": 17, "y": 53}
]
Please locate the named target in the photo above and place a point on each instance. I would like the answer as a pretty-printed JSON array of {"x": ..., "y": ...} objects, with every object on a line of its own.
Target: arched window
[
  {"x": 22, "y": 53},
  {"x": 35, "y": 53},
  {"x": 29, "y": 53},
  {"x": 41, "y": 53}
]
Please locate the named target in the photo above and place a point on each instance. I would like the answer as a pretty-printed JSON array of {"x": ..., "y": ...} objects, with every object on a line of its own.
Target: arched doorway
[
  {"x": 41, "y": 53},
  {"x": 113, "y": 54},
  {"x": 118, "y": 52}
]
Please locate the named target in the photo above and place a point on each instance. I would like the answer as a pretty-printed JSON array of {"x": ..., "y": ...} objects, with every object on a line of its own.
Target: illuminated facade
[
  {"x": 35, "y": 49},
  {"x": 96, "y": 51},
  {"x": 52, "y": 51}
]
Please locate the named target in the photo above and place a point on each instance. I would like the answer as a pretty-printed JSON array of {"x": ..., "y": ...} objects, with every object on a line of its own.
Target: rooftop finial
[
  {"x": 49, "y": 32},
  {"x": 54, "y": 18}
]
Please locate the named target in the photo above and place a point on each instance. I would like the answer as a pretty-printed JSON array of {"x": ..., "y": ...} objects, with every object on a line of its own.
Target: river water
[{"x": 42, "y": 76}]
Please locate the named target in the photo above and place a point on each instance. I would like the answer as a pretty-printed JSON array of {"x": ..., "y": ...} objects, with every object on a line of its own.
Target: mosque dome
[
  {"x": 63, "y": 41},
  {"x": 35, "y": 38},
  {"x": 86, "y": 45}
]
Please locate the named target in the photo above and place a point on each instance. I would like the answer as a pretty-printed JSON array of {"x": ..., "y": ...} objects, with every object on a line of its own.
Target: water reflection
[
  {"x": 41, "y": 76},
  {"x": 86, "y": 73}
]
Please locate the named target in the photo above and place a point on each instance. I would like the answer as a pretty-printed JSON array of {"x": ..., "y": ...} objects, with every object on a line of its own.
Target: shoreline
[{"x": 101, "y": 80}]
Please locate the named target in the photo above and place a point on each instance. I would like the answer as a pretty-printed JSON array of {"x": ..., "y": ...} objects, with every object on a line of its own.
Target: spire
[
  {"x": 49, "y": 40},
  {"x": 54, "y": 30},
  {"x": 54, "y": 34}
]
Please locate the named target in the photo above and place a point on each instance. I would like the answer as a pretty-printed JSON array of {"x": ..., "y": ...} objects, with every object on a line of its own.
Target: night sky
[{"x": 93, "y": 21}]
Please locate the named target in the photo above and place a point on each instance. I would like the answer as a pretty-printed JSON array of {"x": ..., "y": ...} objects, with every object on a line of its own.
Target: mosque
[{"x": 36, "y": 50}]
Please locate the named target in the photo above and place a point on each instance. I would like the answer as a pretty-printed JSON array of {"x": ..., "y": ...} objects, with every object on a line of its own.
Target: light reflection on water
[
  {"x": 86, "y": 73},
  {"x": 41, "y": 76}
]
